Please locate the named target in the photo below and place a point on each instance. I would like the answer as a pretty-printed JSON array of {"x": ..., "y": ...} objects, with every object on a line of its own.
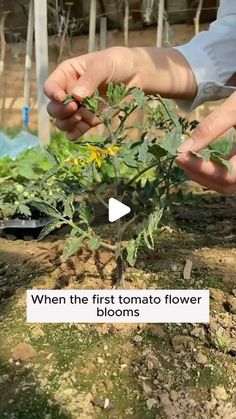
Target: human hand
[
  {"x": 210, "y": 174},
  {"x": 80, "y": 77}
]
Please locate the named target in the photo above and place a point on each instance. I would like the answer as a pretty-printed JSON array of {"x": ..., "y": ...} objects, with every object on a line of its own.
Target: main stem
[{"x": 118, "y": 252}]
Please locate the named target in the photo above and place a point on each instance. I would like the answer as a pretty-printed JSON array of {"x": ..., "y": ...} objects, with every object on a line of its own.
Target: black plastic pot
[{"x": 22, "y": 229}]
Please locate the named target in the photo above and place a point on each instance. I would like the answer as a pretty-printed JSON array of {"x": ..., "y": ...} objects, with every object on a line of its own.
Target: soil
[{"x": 63, "y": 371}]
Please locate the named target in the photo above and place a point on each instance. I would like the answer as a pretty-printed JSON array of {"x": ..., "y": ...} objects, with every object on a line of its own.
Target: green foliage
[
  {"x": 51, "y": 226},
  {"x": 143, "y": 172},
  {"x": 72, "y": 245},
  {"x": 209, "y": 154},
  {"x": 86, "y": 213}
]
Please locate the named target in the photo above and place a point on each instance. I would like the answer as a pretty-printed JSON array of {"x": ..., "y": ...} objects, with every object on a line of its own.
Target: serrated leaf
[
  {"x": 132, "y": 250},
  {"x": 51, "y": 155},
  {"x": 223, "y": 162},
  {"x": 24, "y": 210},
  {"x": 69, "y": 207},
  {"x": 75, "y": 232},
  {"x": 172, "y": 141},
  {"x": 139, "y": 98},
  {"x": 143, "y": 151},
  {"x": 224, "y": 147},
  {"x": 211, "y": 155},
  {"x": 51, "y": 226},
  {"x": 152, "y": 225},
  {"x": 72, "y": 245},
  {"x": 45, "y": 208},
  {"x": 51, "y": 172},
  {"x": 204, "y": 154},
  {"x": 86, "y": 213},
  {"x": 94, "y": 243}
]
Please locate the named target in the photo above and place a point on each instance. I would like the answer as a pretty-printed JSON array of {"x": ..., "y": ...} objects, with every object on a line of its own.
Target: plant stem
[
  {"x": 100, "y": 199},
  {"x": 118, "y": 248},
  {"x": 140, "y": 174},
  {"x": 168, "y": 113}
]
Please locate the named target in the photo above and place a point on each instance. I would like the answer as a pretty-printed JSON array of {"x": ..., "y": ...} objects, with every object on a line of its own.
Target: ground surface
[{"x": 124, "y": 371}]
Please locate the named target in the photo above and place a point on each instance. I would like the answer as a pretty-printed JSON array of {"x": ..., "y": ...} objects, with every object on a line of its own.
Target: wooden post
[
  {"x": 160, "y": 23},
  {"x": 196, "y": 20},
  {"x": 41, "y": 53},
  {"x": 126, "y": 23},
  {"x": 2, "y": 62},
  {"x": 65, "y": 32},
  {"x": 28, "y": 65},
  {"x": 103, "y": 32},
  {"x": 92, "y": 26}
]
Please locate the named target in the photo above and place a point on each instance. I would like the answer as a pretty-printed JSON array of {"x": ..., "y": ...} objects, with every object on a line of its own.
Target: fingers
[
  {"x": 209, "y": 174},
  {"x": 96, "y": 69},
  {"x": 80, "y": 129},
  {"x": 61, "y": 111},
  {"x": 78, "y": 123},
  {"x": 56, "y": 86},
  {"x": 214, "y": 125}
]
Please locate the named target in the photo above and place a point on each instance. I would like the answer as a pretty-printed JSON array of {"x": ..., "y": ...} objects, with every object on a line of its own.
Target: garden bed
[{"x": 119, "y": 371}]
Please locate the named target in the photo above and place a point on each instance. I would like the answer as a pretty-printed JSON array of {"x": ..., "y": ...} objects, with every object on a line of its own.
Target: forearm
[{"x": 164, "y": 71}]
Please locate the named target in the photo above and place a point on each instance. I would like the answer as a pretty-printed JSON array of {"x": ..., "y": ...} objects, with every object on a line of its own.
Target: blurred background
[{"x": 109, "y": 23}]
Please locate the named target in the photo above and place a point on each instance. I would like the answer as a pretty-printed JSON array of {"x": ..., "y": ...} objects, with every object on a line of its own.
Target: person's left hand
[{"x": 210, "y": 174}]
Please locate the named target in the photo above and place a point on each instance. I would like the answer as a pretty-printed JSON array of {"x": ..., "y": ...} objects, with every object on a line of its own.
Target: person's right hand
[{"x": 80, "y": 77}]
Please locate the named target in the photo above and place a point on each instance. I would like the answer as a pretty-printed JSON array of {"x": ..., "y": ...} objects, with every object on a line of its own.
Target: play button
[{"x": 117, "y": 210}]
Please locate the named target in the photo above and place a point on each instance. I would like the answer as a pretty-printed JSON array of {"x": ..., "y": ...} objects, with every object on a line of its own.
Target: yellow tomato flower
[
  {"x": 96, "y": 154},
  {"x": 112, "y": 150},
  {"x": 73, "y": 160}
]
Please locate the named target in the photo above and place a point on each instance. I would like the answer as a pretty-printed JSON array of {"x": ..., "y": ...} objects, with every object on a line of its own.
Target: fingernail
[
  {"x": 186, "y": 146},
  {"x": 72, "y": 136},
  {"x": 79, "y": 92}
]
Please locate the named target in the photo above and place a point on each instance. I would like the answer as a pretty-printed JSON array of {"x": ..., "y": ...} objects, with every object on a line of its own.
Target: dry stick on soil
[{"x": 187, "y": 269}]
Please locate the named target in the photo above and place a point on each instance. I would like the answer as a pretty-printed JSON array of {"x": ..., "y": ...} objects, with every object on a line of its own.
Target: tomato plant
[{"x": 140, "y": 173}]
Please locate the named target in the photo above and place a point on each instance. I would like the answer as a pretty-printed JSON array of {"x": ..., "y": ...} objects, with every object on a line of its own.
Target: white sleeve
[{"x": 212, "y": 57}]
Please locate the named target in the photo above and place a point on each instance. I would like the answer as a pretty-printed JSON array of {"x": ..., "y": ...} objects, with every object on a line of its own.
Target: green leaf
[
  {"x": 45, "y": 208},
  {"x": 116, "y": 92},
  {"x": 143, "y": 151},
  {"x": 157, "y": 151},
  {"x": 172, "y": 141},
  {"x": 152, "y": 225},
  {"x": 94, "y": 243},
  {"x": 224, "y": 147},
  {"x": 24, "y": 210},
  {"x": 91, "y": 103},
  {"x": 50, "y": 173},
  {"x": 69, "y": 207},
  {"x": 72, "y": 245},
  {"x": 51, "y": 226},
  {"x": 216, "y": 156},
  {"x": 75, "y": 232},
  {"x": 139, "y": 98},
  {"x": 51, "y": 155},
  {"x": 223, "y": 162},
  {"x": 26, "y": 171},
  {"x": 86, "y": 212},
  {"x": 132, "y": 250}
]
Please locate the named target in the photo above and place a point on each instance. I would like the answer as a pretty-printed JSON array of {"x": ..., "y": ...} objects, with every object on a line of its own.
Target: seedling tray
[{"x": 22, "y": 228}]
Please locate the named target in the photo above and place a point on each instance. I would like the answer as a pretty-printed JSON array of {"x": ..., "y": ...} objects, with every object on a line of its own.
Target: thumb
[
  {"x": 86, "y": 86},
  {"x": 96, "y": 70},
  {"x": 211, "y": 127}
]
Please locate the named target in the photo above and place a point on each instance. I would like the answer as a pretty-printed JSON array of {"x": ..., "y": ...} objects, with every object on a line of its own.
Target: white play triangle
[{"x": 117, "y": 210}]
